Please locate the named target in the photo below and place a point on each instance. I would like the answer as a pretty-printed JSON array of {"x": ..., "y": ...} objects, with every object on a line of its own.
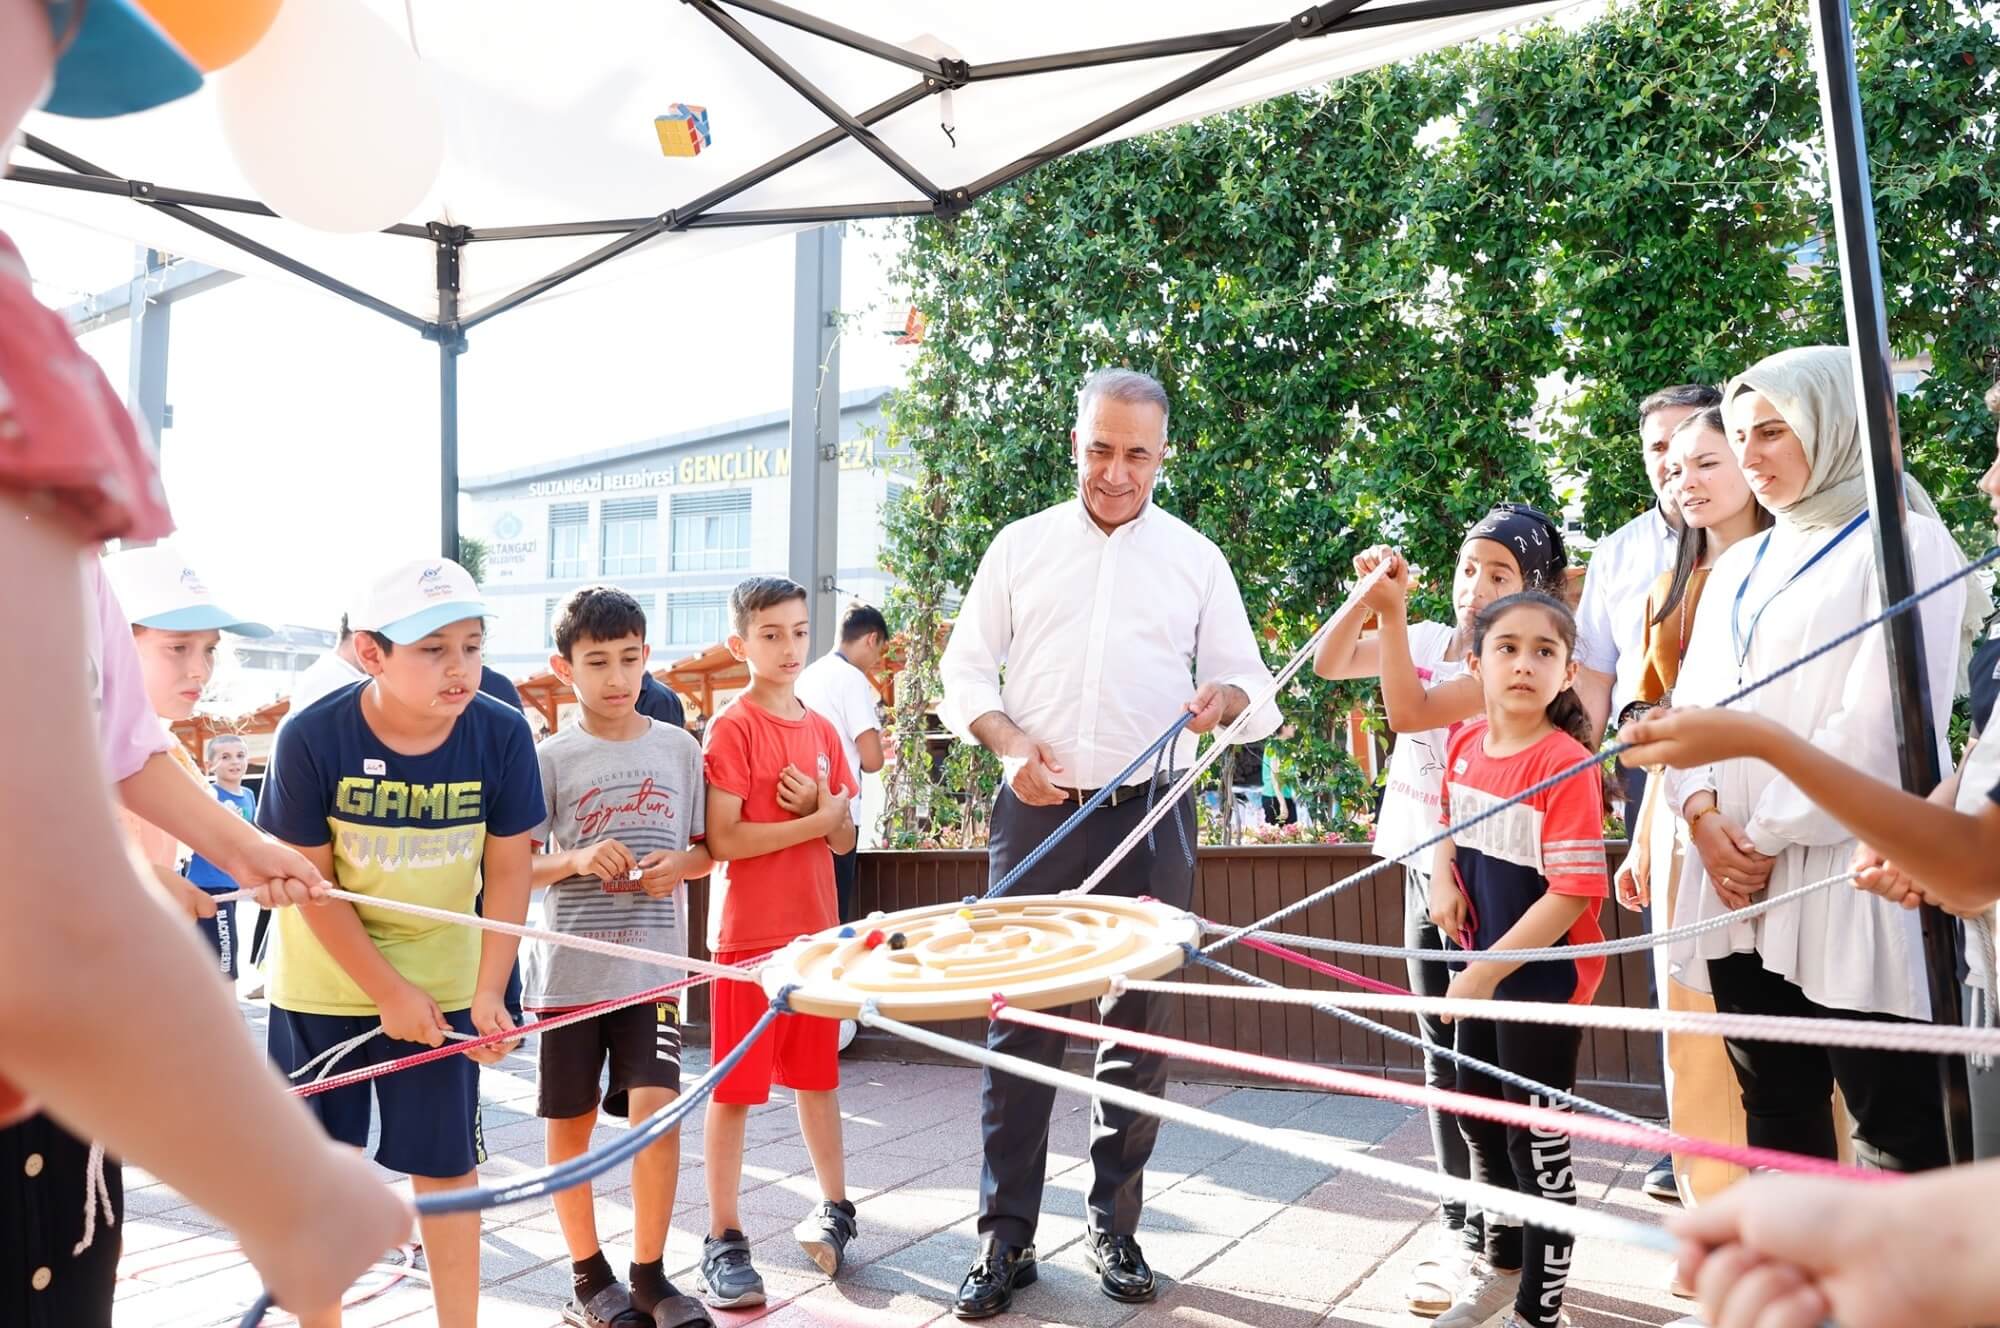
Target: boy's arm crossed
[
  {"x": 408, "y": 1012},
  {"x": 731, "y": 837}
]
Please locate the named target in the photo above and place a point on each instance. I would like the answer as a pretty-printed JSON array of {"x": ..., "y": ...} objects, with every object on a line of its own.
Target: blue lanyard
[{"x": 1744, "y": 638}]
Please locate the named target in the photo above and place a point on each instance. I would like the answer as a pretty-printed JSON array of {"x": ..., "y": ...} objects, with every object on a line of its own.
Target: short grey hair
[
  {"x": 1699, "y": 396},
  {"x": 1127, "y": 385}
]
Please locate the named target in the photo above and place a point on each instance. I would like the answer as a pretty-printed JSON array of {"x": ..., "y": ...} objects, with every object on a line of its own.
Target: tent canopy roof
[{"x": 549, "y": 123}]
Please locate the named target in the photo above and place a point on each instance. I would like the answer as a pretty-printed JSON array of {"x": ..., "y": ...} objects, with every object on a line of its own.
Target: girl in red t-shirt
[{"x": 1530, "y": 875}]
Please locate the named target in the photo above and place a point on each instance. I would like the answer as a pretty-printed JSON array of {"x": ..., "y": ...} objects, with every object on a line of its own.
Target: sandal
[
  {"x": 680, "y": 1311},
  {"x": 609, "y": 1308}
]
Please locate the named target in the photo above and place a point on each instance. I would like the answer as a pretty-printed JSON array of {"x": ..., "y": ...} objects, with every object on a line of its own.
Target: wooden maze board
[{"x": 1039, "y": 951}]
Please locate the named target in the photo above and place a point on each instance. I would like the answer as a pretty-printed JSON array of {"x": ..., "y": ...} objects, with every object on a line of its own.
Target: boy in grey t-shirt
[{"x": 621, "y": 839}]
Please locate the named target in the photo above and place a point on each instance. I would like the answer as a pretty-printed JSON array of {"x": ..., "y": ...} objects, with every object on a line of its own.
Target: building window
[
  {"x": 569, "y": 529},
  {"x": 652, "y": 632},
  {"x": 697, "y": 619},
  {"x": 549, "y": 607},
  {"x": 631, "y": 538},
  {"x": 712, "y": 532}
]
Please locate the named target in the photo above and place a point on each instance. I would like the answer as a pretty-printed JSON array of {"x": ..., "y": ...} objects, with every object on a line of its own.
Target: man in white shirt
[
  {"x": 837, "y": 686},
  {"x": 1611, "y": 618},
  {"x": 1111, "y": 618},
  {"x": 337, "y": 668}
]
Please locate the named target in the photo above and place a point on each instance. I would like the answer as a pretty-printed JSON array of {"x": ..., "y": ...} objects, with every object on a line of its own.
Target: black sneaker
[
  {"x": 1659, "y": 1183},
  {"x": 728, "y": 1280},
  {"x": 824, "y": 1233}
]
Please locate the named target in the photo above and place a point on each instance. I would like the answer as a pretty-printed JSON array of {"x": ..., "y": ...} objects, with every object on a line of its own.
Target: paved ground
[{"x": 1239, "y": 1234}]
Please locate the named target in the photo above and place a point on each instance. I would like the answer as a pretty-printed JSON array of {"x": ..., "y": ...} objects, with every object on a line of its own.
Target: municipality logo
[
  {"x": 192, "y": 583},
  {"x": 508, "y": 527},
  {"x": 432, "y": 584}
]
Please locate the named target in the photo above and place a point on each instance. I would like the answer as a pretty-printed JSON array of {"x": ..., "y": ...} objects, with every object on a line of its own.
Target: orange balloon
[{"x": 213, "y": 33}]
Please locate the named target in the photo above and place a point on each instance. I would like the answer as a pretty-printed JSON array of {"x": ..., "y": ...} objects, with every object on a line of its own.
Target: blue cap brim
[
  {"x": 204, "y": 618},
  {"x": 410, "y": 630},
  {"x": 118, "y": 63}
]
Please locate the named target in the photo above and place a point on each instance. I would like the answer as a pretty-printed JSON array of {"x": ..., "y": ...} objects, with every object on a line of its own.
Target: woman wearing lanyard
[{"x": 1771, "y": 599}]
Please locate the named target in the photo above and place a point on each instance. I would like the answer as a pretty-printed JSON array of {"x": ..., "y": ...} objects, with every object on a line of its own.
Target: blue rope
[
  {"x": 579, "y": 1170},
  {"x": 1161, "y": 771},
  {"x": 1457, "y": 1057},
  {"x": 1162, "y": 744},
  {"x": 1591, "y": 763}
]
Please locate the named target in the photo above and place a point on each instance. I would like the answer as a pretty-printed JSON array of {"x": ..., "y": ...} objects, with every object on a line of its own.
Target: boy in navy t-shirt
[
  {"x": 412, "y": 786},
  {"x": 228, "y": 762}
]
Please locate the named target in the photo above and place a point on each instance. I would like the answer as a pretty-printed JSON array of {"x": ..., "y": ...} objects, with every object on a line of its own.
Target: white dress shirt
[
  {"x": 1103, "y": 638},
  {"x": 1845, "y": 948},
  {"x": 1611, "y": 617}
]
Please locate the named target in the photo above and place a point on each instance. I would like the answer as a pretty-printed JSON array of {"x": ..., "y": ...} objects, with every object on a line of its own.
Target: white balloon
[{"x": 332, "y": 119}]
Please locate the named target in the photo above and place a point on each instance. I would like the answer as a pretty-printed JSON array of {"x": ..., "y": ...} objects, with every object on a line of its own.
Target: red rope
[
  {"x": 1515, "y": 1114},
  {"x": 376, "y": 1071},
  {"x": 1324, "y": 969}
]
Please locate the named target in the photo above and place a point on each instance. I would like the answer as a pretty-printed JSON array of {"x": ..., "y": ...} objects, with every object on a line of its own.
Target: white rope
[
  {"x": 336, "y": 1053},
  {"x": 1531, "y": 1209},
  {"x": 96, "y": 1194},
  {"x": 1868, "y": 1034},
  {"x": 1228, "y": 737},
  {"x": 660, "y": 958},
  {"x": 1592, "y": 950}
]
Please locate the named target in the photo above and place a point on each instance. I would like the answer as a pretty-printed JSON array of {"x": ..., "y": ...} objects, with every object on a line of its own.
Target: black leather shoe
[
  {"x": 989, "y": 1284},
  {"x": 1122, "y": 1269}
]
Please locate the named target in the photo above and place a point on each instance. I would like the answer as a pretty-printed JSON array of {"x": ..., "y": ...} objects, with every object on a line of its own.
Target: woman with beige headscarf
[{"x": 1841, "y": 952}]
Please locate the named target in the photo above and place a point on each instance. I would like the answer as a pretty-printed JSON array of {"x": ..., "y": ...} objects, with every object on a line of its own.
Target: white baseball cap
[
  {"x": 412, "y": 601},
  {"x": 158, "y": 589}
]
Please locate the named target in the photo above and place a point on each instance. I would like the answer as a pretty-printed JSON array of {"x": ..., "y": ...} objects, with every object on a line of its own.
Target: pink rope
[
  {"x": 1515, "y": 1114},
  {"x": 1324, "y": 969},
  {"x": 539, "y": 1026}
]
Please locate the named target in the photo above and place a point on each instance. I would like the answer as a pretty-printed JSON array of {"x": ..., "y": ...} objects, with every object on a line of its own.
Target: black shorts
[
  {"x": 641, "y": 1042},
  {"x": 430, "y": 1113},
  {"x": 220, "y": 933},
  {"x": 42, "y": 1283}
]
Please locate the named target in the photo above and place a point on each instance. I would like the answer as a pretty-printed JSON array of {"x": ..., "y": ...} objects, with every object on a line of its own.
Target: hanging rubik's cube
[{"x": 683, "y": 130}]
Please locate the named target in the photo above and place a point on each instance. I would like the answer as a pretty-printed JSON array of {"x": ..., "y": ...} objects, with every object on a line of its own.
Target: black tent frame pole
[
  {"x": 450, "y": 241},
  {"x": 1868, "y": 345}
]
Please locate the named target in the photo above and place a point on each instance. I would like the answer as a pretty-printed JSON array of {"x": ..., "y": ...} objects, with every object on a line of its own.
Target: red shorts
[{"x": 800, "y": 1052}]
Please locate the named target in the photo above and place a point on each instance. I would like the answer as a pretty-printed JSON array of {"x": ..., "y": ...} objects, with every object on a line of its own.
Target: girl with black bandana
[{"x": 1427, "y": 691}]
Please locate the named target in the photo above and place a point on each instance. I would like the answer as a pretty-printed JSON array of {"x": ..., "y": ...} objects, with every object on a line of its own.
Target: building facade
[{"x": 677, "y": 521}]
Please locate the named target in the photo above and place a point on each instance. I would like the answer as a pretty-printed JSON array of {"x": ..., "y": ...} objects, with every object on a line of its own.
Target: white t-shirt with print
[{"x": 1413, "y": 801}]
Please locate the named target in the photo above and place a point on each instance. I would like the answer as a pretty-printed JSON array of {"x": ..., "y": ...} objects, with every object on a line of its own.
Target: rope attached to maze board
[
  {"x": 1590, "y": 950},
  {"x": 578, "y": 1170},
  {"x": 1531, "y": 1209},
  {"x": 1859, "y": 1034}
]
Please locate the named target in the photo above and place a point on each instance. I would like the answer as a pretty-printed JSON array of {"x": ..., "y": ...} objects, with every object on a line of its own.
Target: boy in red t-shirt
[{"x": 778, "y": 790}]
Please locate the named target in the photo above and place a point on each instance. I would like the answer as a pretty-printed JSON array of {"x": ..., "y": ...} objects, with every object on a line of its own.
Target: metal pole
[
  {"x": 151, "y": 333},
  {"x": 451, "y": 344},
  {"x": 815, "y": 481},
  {"x": 1868, "y": 344}
]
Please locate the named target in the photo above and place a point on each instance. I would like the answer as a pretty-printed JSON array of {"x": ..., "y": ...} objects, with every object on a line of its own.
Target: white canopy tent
[{"x": 552, "y": 169}]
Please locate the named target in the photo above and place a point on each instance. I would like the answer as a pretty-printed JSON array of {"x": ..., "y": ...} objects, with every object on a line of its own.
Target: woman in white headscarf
[{"x": 1792, "y": 423}]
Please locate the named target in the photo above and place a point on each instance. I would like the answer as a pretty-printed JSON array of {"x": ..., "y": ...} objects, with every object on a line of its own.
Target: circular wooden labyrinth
[{"x": 1038, "y": 951}]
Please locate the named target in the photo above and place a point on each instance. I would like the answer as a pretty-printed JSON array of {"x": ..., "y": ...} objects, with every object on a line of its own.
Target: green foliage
[
  {"x": 1385, "y": 304},
  {"x": 472, "y": 557}
]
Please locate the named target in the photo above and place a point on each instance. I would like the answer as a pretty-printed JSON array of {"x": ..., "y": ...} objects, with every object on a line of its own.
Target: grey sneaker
[
  {"x": 1484, "y": 1295},
  {"x": 824, "y": 1234},
  {"x": 728, "y": 1280}
]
